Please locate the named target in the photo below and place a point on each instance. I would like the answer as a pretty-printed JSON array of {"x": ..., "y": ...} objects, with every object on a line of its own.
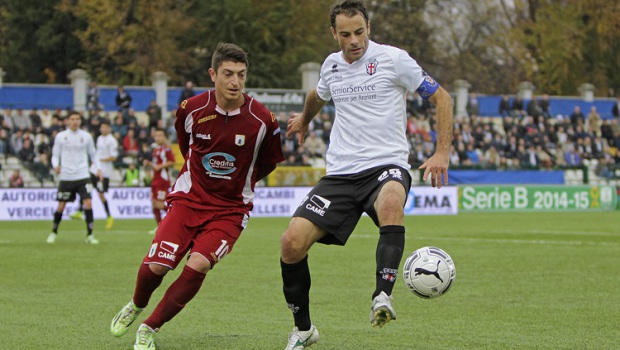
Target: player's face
[
  {"x": 74, "y": 121},
  {"x": 105, "y": 129},
  {"x": 352, "y": 36},
  {"x": 229, "y": 80},
  {"x": 160, "y": 138}
]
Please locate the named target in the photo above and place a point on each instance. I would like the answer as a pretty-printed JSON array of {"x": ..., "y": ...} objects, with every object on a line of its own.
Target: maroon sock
[
  {"x": 180, "y": 293},
  {"x": 146, "y": 284},
  {"x": 157, "y": 214}
]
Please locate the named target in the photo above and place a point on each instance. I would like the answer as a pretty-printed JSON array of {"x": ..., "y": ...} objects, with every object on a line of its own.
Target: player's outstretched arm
[
  {"x": 437, "y": 165},
  {"x": 298, "y": 123}
]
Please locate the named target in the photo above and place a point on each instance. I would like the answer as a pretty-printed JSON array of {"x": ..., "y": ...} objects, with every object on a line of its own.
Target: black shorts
[
  {"x": 68, "y": 189},
  {"x": 101, "y": 187},
  {"x": 337, "y": 202}
]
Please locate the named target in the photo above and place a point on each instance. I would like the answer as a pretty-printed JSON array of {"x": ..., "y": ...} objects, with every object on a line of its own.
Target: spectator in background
[
  {"x": 594, "y": 121},
  {"x": 92, "y": 97},
  {"x": 4, "y": 143},
  {"x": 41, "y": 141},
  {"x": 6, "y": 121},
  {"x": 119, "y": 129},
  {"x": 46, "y": 119},
  {"x": 35, "y": 119},
  {"x": 22, "y": 121},
  {"x": 545, "y": 106},
  {"x": 41, "y": 169},
  {"x": 490, "y": 158},
  {"x": 577, "y": 118},
  {"x": 533, "y": 107},
  {"x": 154, "y": 113},
  {"x": 517, "y": 108},
  {"x": 130, "y": 143},
  {"x": 16, "y": 142},
  {"x": 544, "y": 158},
  {"x": 454, "y": 156},
  {"x": 472, "y": 154},
  {"x": 27, "y": 154},
  {"x": 145, "y": 153},
  {"x": 473, "y": 107},
  {"x": 504, "y": 106},
  {"x": 615, "y": 110},
  {"x": 132, "y": 176},
  {"x": 123, "y": 100},
  {"x": 187, "y": 92},
  {"x": 315, "y": 146},
  {"x": 16, "y": 180},
  {"x": 572, "y": 157}
]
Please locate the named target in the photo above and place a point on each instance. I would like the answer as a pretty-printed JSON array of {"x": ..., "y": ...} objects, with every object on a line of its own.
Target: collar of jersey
[
  {"x": 371, "y": 47},
  {"x": 223, "y": 112}
]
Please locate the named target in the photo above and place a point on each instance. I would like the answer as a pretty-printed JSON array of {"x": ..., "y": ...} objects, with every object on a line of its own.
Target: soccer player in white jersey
[
  {"x": 107, "y": 151},
  {"x": 367, "y": 168},
  {"x": 70, "y": 154}
]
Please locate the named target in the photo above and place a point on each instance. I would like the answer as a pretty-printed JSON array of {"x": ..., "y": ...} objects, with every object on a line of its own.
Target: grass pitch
[{"x": 524, "y": 281}]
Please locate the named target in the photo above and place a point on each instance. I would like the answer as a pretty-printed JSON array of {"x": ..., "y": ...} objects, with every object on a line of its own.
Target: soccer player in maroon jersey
[
  {"x": 163, "y": 160},
  {"x": 229, "y": 142}
]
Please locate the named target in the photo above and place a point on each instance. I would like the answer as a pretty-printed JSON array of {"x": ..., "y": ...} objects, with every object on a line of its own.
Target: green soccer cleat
[
  {"x": 109, "y": 222},
  {"x": 145, "y": 338},
  {"x": 124, "y": 319},
  {"x": 381, "y": 311},
  {"x": 298, "y": 340},
  {"x": 77, "y": 215}
]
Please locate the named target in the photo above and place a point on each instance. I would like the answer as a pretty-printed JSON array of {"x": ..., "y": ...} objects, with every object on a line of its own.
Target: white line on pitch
[{"x": 519, "y": 241}]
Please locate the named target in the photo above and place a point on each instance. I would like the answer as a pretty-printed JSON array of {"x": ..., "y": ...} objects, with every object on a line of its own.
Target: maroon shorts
[
  {"x": 159, "y": 192},
  {"x": 207, "y": 233}
]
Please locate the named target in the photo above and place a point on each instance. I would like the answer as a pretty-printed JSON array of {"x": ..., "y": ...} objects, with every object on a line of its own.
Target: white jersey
[
  {"x": 107, "y": 147},
  {"x": 370, "y": 97},
  {"x": 71, "y": 151}
]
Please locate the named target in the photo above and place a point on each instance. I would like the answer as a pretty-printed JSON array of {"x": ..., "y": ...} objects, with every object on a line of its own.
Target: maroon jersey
[
  {"x": 224, "y": 152},
  {"x": 161, "y": 155}
]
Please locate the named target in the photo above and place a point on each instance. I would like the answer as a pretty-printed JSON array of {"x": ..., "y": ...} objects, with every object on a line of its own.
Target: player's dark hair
[
  {"x": 105, "y": 122},
  {"x": 348, "y": 8},
  {"x": 160, "y": 129},
  {"x": 72, "y": 112},
  {"x": 228, "y": 52}
]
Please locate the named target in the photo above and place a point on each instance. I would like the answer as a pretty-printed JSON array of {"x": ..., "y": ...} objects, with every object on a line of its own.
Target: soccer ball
[{"x": 429, "y": 272}]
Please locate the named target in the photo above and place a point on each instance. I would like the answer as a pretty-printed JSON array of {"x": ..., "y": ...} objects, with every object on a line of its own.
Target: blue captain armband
[{"x": 428, "y": 87}]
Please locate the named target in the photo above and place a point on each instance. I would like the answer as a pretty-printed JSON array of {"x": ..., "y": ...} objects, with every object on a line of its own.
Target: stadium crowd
[{"x": 523, "y": 135}]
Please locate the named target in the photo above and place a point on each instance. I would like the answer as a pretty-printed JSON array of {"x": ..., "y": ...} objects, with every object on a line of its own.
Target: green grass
[{"x": 524, "y": 281}]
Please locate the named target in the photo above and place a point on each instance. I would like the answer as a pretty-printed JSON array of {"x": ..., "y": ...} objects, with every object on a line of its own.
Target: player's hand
[
  {"x": 57, "y": 169},
  {"x": 296, "y": 125},
  {"x": 437, "y": 166},
  {"x": 100, "y": 176}
]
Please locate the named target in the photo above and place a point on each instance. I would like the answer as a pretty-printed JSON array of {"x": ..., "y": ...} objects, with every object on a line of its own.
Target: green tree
[
  {"x": 562, "y": 44},
  {"x": 37, "y": 44},
  {"x": 126, "y": 41}
]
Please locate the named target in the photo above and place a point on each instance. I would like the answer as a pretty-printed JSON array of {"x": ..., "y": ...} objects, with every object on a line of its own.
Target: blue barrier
[
  {"x": 26, "y": 96},
  {"x": 489, "y": 105},
  {"x": 512, "y": 177}
]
